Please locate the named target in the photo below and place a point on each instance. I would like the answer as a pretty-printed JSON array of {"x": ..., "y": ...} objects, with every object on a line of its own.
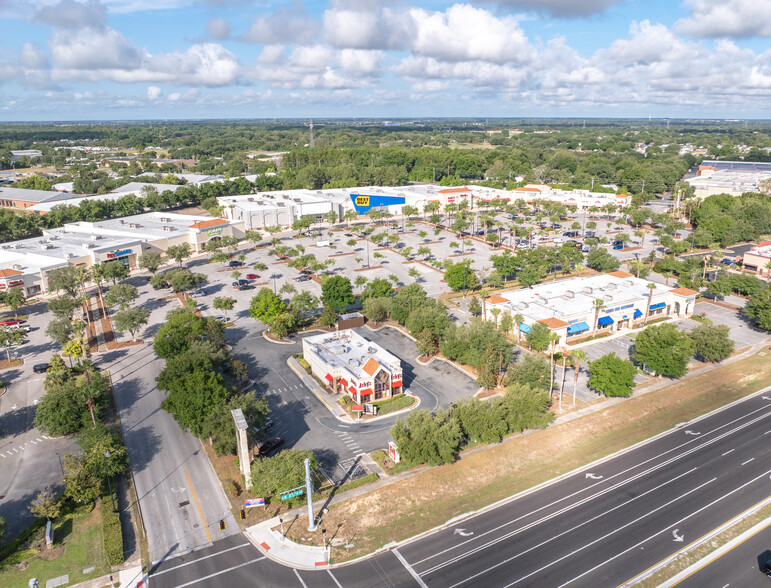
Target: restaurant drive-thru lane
[{"x": 598, "y": 526}]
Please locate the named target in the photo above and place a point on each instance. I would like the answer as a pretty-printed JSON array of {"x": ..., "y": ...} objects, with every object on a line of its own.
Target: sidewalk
[
  {"x": 132, "y": 577},
  {"x": 278, "y": 548}
]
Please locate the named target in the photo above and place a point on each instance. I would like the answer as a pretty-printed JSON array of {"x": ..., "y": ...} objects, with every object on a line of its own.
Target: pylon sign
[{"x": 363, "y": 202}]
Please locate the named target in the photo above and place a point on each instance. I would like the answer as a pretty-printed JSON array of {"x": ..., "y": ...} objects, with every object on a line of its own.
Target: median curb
[{"x": 295, "y": 366}]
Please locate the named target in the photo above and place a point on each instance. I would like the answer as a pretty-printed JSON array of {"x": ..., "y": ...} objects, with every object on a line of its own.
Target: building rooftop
[
  {"x": 353, "y": 352},
  {"x": 25, "y": 195},
  {"x": 572, "y": 298}
]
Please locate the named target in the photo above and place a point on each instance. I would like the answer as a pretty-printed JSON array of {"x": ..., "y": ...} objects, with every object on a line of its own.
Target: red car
[
  {"x": 10, "y": 322},
  {"x": 252, "y": 276}
]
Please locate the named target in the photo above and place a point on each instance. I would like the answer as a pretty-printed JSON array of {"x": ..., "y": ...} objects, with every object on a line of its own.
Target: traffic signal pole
[{"x": 309, "y": 492}]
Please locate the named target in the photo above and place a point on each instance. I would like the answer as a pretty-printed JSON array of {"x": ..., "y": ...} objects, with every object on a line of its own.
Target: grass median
[{"x": 428, "y": 499}]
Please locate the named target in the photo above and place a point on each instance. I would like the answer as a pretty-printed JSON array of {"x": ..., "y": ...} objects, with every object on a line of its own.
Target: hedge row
[{"x": 112, "y": 535}]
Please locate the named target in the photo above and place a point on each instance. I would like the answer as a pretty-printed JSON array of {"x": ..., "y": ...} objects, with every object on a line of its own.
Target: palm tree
[
  {"x": 651, "y": 287},
  {"x": 518, "y": 318},
  {"x": 577, "y": 355},
  {"x": 565, "y": 353},
  {"x": 484, "y": 295},
  {"x": 553, "y": 338},
  {"x": 598, "y": 304},
  {"x": 495, "y": 312}
]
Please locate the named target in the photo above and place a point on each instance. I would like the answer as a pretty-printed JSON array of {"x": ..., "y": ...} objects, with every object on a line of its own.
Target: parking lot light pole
[{"x": 309, "y": 492}]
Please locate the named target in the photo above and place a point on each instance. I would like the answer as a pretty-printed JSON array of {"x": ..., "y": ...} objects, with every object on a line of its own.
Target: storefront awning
[
  {"x": 396, "y": 383},
  {"x": 343, "y": 381},
  {"x": 637, "y": 313},
  {"x": 658, "y": 305},
  {"x": 525, "y": 328},
  {"x": 605, "y": 320},
  {"x": 577, "y": 328},
  {"x": 329, "y": 377}
]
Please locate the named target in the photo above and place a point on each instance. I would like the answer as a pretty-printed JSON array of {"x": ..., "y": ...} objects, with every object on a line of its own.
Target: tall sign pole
[{"x": 309, "y": 492}]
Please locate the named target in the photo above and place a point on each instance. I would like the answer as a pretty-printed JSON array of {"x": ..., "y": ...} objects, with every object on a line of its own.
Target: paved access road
[
  {"x": 179, "y": 494},
  {"x": 596, "y": 527},
  {"x": 740, "y": 567}
]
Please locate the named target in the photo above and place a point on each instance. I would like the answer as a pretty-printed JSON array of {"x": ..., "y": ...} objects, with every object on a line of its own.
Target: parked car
[
  {"x": 570, "y": 234},
  {"x": 198, "y": 293},
  {"x": 302, "y": 278},
  {"x": 724, "y": 261},
  {"x": 480, "y": 232},
  {"x": 349, "y": 234},
  {"x": 25, "y": 328},
  {"x": 245, "y": 287},
  {"x": 10, "y": 322},
  {"x": 220, "y": 317},
  {"x": 252, "y": 276},
  {"x": 266, "y": 446},
  {"x": 235, "y": 263},
  {"x": 41, "y": 368},
  {"x": 617, "y": 247}
]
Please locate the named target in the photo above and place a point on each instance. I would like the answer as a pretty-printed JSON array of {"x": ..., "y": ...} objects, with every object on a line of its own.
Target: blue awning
[
  {"x": 605, "y": 320},
  {"x": 659, "y": 305},
  {"x": 525, "y": 328},
  {"x": 578, "y": 328},
  {"x": 637, "y": 313}
]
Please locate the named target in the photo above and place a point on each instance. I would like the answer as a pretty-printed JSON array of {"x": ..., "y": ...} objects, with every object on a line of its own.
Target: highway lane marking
[
  {"x": 637, "y": 520},
  {"x": 199, "y": 559},
  {"x": 695, "y": 543},
  {"x": 749, "y": 460},
  {"x": 497, "y": 540},
  {"x": 685, "y": 518},
  {"x": 704, "y": 443},
  {"x": 727, "y": 452},
  {"x": 296, "y": 573},
  {"x": 408, "y": 567},
  {"x": 230, "y": 569},
  {"x": 198, "y": 506},
  {"x": 713, "y": 560},
  {"x": 339, "y": 585}
]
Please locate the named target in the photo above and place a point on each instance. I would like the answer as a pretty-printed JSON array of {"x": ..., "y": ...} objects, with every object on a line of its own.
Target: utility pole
[
  {"x": 309, "y": 492},
  {"x": 310, "y": 143}
]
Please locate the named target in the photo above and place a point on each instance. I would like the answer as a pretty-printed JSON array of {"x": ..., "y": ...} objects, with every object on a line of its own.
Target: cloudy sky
[{"x": 139, "y": 59}]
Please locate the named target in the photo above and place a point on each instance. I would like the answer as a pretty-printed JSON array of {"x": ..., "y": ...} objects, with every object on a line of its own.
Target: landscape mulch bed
[
  {"x": 5, "y": 364},
  {"x": 341, "y": 254},
  {"x": 364, "y": 269}
]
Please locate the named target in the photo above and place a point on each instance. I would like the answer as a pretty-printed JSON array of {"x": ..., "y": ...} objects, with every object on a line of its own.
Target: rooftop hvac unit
[
  {"x": 569, "y": 294},
  {"x": 281, "y": 204},
  {"x": 133, "y": 226},
  {"x": 70, "y": 255},
  {"x": 46, "y": 246},
  {"x": 628, "y": 283},
  {"x": 250, "y": 199},
  {"x": 588, "y": 290},
  {"x": 95, "y": 237},
  {"x": 607, "y": 298},
  {"x": 165, "y": 220},
  {"x": 17, "y": 267},
  {"x": 17, "y": 245},
  {"x": 168, "y": 229},
  {"x": 121, "y": 221},
  {"x": 88, "y": 245},
  {"x": 6, "y": 246},
  {"x": 611, "y": 286}
]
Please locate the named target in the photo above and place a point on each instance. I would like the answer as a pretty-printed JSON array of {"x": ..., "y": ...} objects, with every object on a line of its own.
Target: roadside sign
[
  {"x": 293, "y": 493},
  {"x": 357, "y": 408},
  {"x": 252, "y": 502}
]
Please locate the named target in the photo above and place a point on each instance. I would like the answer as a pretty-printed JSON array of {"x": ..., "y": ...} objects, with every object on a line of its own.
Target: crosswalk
[
  {"x": 277, "y": 391},
  {"x": 350, "y": 444},
  {"x": 14, "y": 451}
]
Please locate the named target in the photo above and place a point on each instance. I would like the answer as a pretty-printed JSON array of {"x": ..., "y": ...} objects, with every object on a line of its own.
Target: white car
[{"x": 198, "y": 294}]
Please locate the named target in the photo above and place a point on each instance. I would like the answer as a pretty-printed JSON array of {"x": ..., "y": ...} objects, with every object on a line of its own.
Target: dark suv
[{"x": 235, "y": 263}]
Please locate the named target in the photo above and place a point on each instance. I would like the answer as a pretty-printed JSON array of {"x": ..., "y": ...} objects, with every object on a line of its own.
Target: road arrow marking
[
  {"x": 678, "y": 538},
  {"x": 593, "y": 477},
  {"x": 463, "y": 532},
  {"x": 689, "y": 432},
  {"x": 765, "y": 398}
]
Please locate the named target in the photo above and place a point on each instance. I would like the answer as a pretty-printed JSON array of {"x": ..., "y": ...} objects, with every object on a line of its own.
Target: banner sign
[
  {"x": 363, "y": 202},
  {"x": 252, "y": 502}
]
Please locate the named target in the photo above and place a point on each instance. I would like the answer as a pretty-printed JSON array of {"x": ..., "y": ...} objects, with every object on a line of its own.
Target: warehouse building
[
  {"x": 350, "y": 364},
  {"x": 570, "y": 309}
]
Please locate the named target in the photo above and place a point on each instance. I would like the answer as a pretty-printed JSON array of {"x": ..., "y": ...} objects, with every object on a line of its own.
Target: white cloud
[
  {"x": 69, "y": 14},
  {"x": 92, "y": 49},
  {"x": 154, "y": 93},
  {"x": 561, "y": 8},
  {"x": 727, "y": 18},
  {"x": 218, "y": 29},
  {"x": 359, "y": 26},
  {"x": 285, "y": 26}
]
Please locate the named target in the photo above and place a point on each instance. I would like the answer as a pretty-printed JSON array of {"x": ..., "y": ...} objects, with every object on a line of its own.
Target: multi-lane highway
[{"x": 599, "y": 526}]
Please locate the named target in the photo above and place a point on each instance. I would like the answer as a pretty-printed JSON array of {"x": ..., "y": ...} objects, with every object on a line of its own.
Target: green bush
[
  {"x": 112, "y": 535},
  {"x": 393, "y": 404}
]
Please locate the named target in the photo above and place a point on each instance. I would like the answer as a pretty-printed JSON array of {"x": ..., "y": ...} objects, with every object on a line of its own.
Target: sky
[{"x": 188, "y": 59}]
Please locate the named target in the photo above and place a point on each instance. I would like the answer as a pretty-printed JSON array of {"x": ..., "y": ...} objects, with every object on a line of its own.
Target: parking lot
[{"x": 741, "y": 330}]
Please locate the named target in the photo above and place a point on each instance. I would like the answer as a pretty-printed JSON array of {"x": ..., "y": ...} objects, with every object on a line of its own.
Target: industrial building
[
  {"x": 23, "y": 198},
  {"x": 730, "y": 177},
  {"x": 26, "y": 263},
  {"x": 350, "y": 364},
  {"x": 569, "y": 308}
]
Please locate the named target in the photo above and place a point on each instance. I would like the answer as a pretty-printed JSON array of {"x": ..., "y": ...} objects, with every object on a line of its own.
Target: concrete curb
[
  {"x": 693, "y": 568},
  {"x": 269, "y": 340},
  {"x": 295, "y": 366},
  {"x": 280, "y": 549}
]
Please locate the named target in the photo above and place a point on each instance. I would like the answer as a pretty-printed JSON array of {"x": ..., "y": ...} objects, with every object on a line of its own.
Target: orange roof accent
[
  {"x": 524, "y": 189},
  {"x": 495, "y": 299},
  {"x": 209, "y": 223},
  {"x": 621, "y": 195},
  {"x": 453, "y": 190},
  {"x": 684, "y": 292},
  {"x": 553, "y": 323},
  {"x": 7, "y": 273},
  {"x": 620, "y": 274},
  {"x": 764, "y": 243},
  {"x": 371, "y": 366}
]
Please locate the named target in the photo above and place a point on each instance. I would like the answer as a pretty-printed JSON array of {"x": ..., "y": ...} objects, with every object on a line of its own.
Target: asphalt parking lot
[{"x": 742, "y": 331}]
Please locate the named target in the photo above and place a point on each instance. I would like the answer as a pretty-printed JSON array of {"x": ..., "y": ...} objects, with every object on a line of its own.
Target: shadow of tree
[
  {"x": 16, "y": 422},
  {"x": 150, "y": 442}
]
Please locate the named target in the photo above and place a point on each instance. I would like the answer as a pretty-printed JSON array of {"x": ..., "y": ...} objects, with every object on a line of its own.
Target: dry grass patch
[{"x": 428, "y": 499}]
